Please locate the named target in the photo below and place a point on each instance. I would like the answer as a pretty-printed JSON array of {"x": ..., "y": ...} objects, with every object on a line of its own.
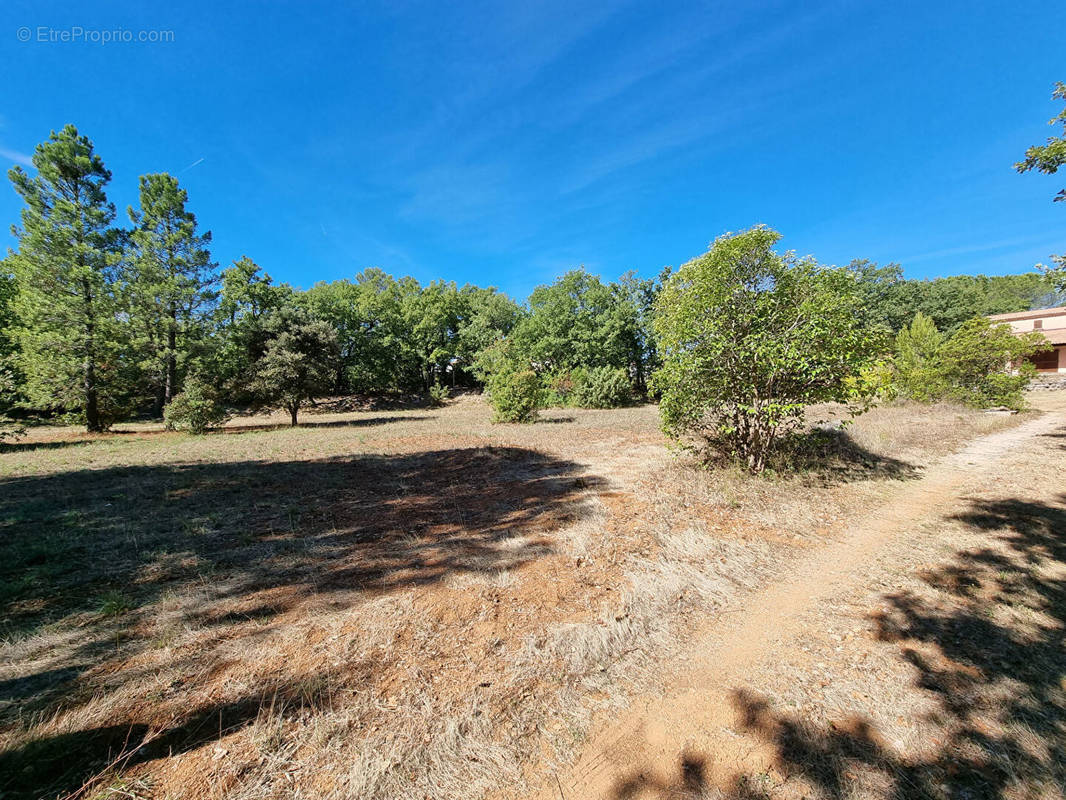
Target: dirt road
[{"x": 711, "y": 729}]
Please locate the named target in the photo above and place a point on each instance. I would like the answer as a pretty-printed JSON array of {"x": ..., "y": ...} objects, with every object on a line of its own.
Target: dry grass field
[{"x": 380, "y": 604}]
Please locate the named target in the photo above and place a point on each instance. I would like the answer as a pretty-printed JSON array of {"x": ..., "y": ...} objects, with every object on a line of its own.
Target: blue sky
[{"x": 503, "y": 143}]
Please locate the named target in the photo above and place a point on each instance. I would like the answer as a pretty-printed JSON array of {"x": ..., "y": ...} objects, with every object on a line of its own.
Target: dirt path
[{"x": 675, "y": 744}]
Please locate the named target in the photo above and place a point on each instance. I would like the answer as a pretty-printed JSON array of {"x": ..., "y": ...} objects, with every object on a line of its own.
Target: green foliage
[
  {"x": 169, "y": 288},
  {"x": 10, "y": 379},
  {"x": 891, "y": 302},
  {"x": 515, "y": 396},
  {"x": 197, "y": 408},
  {"x": 8, "y": 293},
  {"x": 9, "y": 395},
  {"x": 919, "y": 373},
  {"x": 577, "y": 325},
  {"x": 114, "y": 603},
  {"x": 874, "y": 382},
  {"x": 981, "y": 364},
  {"x": 558, "y": 389},
  {"x": 974, "y": 361},
  {"x": 750, "y": 338},
  {"x": 299, "y": 360},
  {"x": 248, "y": 300},
  {"x": 70, "y": 334},
  {"x": 396, "y": 335},
  {"x": 579, "y": 321},
  {"x": 1048, "y": 157},
  {"x": 438, "y": 395},
  {"x": 601, "y": 387}
]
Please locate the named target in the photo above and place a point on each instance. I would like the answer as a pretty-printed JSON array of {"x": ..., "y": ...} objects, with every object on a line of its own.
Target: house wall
[
  {"x": 1050, "y": 321},
  {"x": 1052, "y": 324}
]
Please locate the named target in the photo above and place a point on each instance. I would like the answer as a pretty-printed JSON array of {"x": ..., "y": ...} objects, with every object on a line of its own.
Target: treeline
[
  {"x": 892, "y": 301},
  {"x": 101, "y": 322}
]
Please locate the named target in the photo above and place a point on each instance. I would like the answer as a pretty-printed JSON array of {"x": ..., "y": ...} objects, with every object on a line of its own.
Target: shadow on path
[{"x": 988, "y": 644}]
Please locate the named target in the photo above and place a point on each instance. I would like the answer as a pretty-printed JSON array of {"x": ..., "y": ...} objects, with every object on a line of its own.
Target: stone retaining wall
[{"x": 1048, "y": 382}]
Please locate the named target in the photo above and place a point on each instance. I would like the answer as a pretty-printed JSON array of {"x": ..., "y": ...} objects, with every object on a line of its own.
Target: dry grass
[
  {"x": 386, "y": 604},
  {"x": 944, "y": 677}
]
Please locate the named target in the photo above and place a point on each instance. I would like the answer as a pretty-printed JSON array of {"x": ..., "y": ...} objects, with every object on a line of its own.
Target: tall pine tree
[
  {"x": 171, "y": 284},
  {"x": 65, "y": 269}
]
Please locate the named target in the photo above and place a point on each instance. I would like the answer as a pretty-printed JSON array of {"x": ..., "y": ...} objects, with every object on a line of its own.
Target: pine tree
[
  {"x": 300, "y": 360},
  {"x": 171, "y": 283},
  {"x": 65, "y": 269}
]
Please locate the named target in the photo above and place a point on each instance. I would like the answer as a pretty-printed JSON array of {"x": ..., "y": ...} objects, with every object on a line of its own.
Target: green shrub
[
  {"x": 982, "y": 364},
  {"x": 437, "y": 395},
  {"x": 113, "y": 603},
  {"x": 917, "y": 366},
  {"x": 872, "y": 383},
  {"x": 602, "y": 387},
  {"x": 750, "y": 338},
  {"x": 196, "y": 409},
  {"x": 558, "y": 389},
  {"x": 515, "y": 396},
  {"x": 975, "y": 360}
]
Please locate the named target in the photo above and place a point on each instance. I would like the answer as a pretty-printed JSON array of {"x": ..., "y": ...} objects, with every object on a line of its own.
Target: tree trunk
[
  {"x": 293, "y": 411},
  {"x": 172, "y": 356},
  {"x": 93, "y": 423}
]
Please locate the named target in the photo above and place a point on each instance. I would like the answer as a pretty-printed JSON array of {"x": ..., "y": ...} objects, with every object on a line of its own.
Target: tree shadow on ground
[
  {"x": 91, "y": 553},
  {"x": 827, "y": 457},
  {"x": 234, "y": 428},
  {"x": 988, "y": 644},
  {"x": 68, "y": 765},
  {"x": 361, "y": 422}
]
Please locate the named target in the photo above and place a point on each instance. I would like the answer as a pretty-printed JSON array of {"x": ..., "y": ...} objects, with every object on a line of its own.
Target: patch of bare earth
[{"x": 386, "y": 604}]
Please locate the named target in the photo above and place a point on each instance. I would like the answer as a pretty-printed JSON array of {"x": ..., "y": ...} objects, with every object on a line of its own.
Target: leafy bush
[
  {"x": 196, "y": 409},
  {"x": 602, "y": 387},
  {"x": 9, "y": 429},
  {"x": 873, "y": 382},
  {"x": 113, "y": 603},
  {"x": 975, "y": 360},
  {"x": 750, "y": 338},
  {"x": 558, "y": 391},
  {"x": 515, "y": 396},
  {"x": 982, "y": 364}
]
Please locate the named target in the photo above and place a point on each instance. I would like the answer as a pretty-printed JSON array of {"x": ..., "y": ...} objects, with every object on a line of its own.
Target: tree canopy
[
  {"x": 750, "y": 337},
  {"x": 70, "y": 336}
]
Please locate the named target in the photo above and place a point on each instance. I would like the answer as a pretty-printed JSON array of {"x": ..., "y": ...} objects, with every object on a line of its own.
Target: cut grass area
[{"x": 376, "y": 604}]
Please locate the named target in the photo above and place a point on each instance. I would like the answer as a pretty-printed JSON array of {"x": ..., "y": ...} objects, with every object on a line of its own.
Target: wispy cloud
[
  {"x": 16, "y": 156},
  {"x": 973, "y": 249},
  {"x": 457, "y": 194}
]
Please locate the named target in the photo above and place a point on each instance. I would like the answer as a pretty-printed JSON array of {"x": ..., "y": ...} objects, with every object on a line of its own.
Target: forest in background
[{"x": 101, "y": 322}]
